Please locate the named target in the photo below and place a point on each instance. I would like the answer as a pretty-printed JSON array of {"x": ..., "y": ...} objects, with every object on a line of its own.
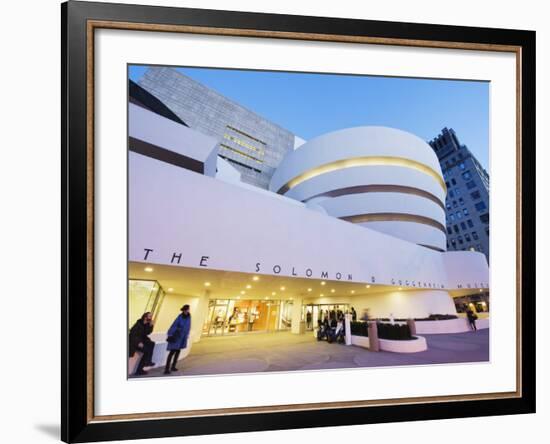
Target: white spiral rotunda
[{"x": 381, "y": 178}]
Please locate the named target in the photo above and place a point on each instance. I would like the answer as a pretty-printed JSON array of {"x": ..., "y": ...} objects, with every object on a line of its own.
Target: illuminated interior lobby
[{"x": 353, "y": 218}]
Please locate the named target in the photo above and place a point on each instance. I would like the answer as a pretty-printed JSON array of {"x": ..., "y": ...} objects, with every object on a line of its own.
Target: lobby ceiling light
[
  {"x": 352, "y": 291},
  {"x": 368, "y": 286},
  {"x": 255, "y": 278},
  {"x": 243, "y": 292},
  {"x": 321, "y": 294},
  {"x": 309, "y": 289},
  {"x": 333, "y": 290},
  {"x": 291, "y": 299},
  {"x": 207, "y": 284},
  {"x": 323, "y": 282},
  {"x": 265, "y": 298},
  {"x": 148, "y": 269},
  {"x": 248, "y": 287},
  {"x": 401, "y": 288},
  {"x": 283, "y": 288},
  {"x": 273, "y": 293},
  {"x": 170, "y": 289}
]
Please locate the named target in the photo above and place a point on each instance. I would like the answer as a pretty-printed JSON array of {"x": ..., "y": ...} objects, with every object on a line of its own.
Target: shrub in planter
[
  {"x": 438, "y": 317},
  {"x": 359, "y": 328},
  {"x": 394, "y": 332}
]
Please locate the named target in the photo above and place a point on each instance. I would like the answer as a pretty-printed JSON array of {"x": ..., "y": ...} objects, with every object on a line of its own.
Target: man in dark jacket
[{"x": 140, "y": 341}]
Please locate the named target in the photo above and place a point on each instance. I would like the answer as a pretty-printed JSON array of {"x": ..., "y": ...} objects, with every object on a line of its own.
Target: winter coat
[
  {"x": 180, "y": 330},
  {"x": 138, "y": 333}
]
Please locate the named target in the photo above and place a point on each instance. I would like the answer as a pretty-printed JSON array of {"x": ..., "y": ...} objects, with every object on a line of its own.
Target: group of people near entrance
[
  {"x": 176, "y": 339},
  {"x": 332, "y": 327}
]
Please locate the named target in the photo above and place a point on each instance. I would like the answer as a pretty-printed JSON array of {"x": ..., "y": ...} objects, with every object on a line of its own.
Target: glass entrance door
[
  {"x": 318, "y": 312},
  {"x": 230, "y": 316}
]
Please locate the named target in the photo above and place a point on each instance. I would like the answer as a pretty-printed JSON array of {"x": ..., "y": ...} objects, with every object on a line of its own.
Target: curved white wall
[
  {"x": 405, "y": 304},
  {"x": 365, "y": 176},
  {"x": 352, "y": 204},
  {"x": 371, "y": 176},
  {"x": 419, "y": 234}
]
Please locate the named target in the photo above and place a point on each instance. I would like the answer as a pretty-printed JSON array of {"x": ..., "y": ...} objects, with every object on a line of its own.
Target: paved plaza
[{"x": 284, "y": 351}]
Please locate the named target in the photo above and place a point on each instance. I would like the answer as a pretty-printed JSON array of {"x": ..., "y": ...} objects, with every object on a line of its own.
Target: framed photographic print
[{"x": 277, "y": 221}]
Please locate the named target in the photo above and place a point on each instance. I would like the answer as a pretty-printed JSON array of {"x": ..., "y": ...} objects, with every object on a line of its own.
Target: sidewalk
[{"x": 286, "y": 352}]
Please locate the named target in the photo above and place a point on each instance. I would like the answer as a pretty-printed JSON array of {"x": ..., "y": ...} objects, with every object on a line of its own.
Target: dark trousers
[
  {"x": 473, "y": 325},
  {"x": 147, "y": 351},
  {"x": 172, "y": 359}
]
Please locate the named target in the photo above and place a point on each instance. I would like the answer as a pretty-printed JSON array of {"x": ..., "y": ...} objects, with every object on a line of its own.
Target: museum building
[{"x": 352, "y": 218}]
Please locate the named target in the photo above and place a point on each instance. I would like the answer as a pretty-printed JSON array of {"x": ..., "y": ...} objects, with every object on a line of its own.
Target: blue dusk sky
[{"x": 310, "y": 105}]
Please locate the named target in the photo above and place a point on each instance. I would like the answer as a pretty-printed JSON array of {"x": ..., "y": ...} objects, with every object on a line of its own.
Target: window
[
  {"x": 467, "y": 237},
  {"x": 448, "y": 206},
  {"x": 484, "y": 218},
  {"x": 459, "y": 214},
  {"x": 465, "y": 211},
  {"x": 456, "y": 228},
  {"x": 454, "y": 204},
  {"x": 474, "y": 235},
  {"x": 487, "y": 230},
  {"x": 462, "y": 225},
  {"x": 470, "y": 223},
  {"x": 453, "y": 181},
  {"x": 475, "y": 195},
  {"x": 453, "y": 242},
  {"x": 452, "y": 217},
  {"x": 451, "y": 194},
  {"x": 460, "y": 201},
  {"x": 470, "y": 184},
  {"x": 448, "y": 185},
  {"x": 457, "y": 191},
  {"x": 462, "y": 166},
  {"x": 449, "y": 230},
  {"x": 480, "y": 206},
  {"x": 467, "y": 175},
  {"x": 460, "y": 241},
  {"x": 479, "y": 247}
]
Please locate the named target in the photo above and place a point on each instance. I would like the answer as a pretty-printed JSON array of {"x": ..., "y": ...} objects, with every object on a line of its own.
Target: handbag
[{"x": 172, "y": 338}]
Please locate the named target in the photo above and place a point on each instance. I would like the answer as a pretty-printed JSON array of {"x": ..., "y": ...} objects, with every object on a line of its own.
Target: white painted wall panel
[{"x": 236, "y": 228}]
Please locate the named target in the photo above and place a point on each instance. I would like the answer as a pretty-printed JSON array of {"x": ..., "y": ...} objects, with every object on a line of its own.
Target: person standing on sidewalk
[
  {"x": 472, "y": 319},
  {"x": 177, "y": 339}
]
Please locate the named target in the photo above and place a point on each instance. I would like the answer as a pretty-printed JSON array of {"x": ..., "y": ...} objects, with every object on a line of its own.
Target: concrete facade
[
  {"x": 253, "y": 145},
  {"x": 286, "y": 238}
]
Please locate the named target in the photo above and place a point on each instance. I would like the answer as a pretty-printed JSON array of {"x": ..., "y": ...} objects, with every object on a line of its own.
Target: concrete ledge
[
  {"x": 413, "y": 346},
  {"x": 459, "y": 325},
  {"x": 159, "y": 353},
  {"x": 360, "y": 341}
]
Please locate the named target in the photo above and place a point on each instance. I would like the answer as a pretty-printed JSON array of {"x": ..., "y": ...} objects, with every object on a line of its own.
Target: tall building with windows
[
  {"x": 467, "y": 202},
  {"x": 252, "y": 144}
]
